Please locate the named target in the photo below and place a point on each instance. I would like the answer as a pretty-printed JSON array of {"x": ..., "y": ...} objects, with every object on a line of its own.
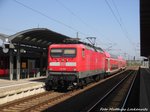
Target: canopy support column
[
  {"x": 11, "y": 65},
  {"x": 18, "y": 63}
]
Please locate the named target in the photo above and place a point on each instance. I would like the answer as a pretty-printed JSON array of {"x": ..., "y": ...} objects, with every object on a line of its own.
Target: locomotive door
[
  {"x": 108, "y": 64},
  {"x": 88, "y": 62}
]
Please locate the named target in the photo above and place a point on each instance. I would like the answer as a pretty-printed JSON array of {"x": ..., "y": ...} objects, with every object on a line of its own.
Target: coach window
[{"x": 83, "y": 53}]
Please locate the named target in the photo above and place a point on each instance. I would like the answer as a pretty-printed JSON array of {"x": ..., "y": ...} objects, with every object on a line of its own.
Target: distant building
[{"x": 134, "y": 62}]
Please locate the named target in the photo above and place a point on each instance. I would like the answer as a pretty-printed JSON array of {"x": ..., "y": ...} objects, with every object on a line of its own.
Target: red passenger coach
[
  {"x": 74, "y": 64},
  {"x": 122, "y": 63},
  {"x": 113, "y": 63}
]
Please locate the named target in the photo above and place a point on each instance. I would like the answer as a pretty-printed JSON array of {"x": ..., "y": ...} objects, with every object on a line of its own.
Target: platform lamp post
[{"x": 8, "y": 47}]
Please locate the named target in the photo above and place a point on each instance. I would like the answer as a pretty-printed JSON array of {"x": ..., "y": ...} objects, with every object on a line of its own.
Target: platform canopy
[
  {"x": 37, "y": 37},
  {"x": 3, "y": 36},
  {"x": 145, "y": 27}
]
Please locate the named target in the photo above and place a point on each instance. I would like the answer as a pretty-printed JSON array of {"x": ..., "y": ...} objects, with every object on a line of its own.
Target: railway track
[
  {"x": 29, "y": 102},
  {"x": 45, "y": 100},
  {"x": 115, "y": 99}
]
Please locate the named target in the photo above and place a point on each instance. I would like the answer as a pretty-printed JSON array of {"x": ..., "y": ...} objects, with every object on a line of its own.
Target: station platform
[
  {"x": 12, "y": 90},
  {"x": 145, "y": 88}
]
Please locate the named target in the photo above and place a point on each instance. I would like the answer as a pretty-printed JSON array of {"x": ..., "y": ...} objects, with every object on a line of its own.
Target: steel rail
[
  {"x": 108, "y": 93},
  {"x": 127, "y": 96}
]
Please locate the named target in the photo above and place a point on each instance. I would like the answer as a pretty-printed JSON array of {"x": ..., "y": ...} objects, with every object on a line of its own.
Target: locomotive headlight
[
  {"x": 71, "y": 64},
  {"x": 54, "y": 64},
  {"x": 74, "y": 69}
]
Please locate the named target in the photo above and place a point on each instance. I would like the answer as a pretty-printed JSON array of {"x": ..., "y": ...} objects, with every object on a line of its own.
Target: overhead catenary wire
[
  {"x": 48, "y": 17},
  {"x": 72, "y": 13},
  {"x": 82, "y": 20},
  {"x": 55, "y": 20},
  {"x": 115, "y": 6},
  {"x": 58, "y": 21},
  {"x": 119, "y": 21}
]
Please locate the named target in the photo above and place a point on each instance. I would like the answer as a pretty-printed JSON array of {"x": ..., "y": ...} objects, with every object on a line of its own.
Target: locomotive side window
[
  {"x": 55, "y": 52},
  {"x": 71, "y": 52}
]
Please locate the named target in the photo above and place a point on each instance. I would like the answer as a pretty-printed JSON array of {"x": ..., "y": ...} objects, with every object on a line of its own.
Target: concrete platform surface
[
  {"x": 145, "y": 88},
  {"x": 11, "y": 90},
  {"x": 4, "y": 82}
]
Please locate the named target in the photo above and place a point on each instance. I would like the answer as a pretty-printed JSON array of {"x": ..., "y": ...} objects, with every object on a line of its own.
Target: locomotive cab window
[
  {"x": 70, "y": 52},
  {"x": 56, "y": 52}
]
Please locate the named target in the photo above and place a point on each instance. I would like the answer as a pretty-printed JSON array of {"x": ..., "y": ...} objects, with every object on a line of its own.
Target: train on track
[
  {"x": 75, "y": 65},
  {"x": 3, "y": 66}
]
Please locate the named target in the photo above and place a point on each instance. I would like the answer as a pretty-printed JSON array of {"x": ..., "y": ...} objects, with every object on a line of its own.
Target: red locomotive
[{"x": 77, "y": 64}]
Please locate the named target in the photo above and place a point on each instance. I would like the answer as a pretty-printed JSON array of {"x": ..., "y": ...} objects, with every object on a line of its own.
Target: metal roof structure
[
  {"x": 145, "y": 27},
  {"x": 26, "y": 45},
  {"x": 3, "y": 36},
  {"x": 37, "y": 37}
]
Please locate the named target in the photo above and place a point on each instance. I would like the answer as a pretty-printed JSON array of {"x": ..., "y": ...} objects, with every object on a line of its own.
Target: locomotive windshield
[
  {"x": 63, "y": 52},
  {"x": 56, "y": 52}
]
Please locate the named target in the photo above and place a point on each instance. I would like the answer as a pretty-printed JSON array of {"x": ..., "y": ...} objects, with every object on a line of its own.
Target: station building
[{"x": 24, "y": 54}]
